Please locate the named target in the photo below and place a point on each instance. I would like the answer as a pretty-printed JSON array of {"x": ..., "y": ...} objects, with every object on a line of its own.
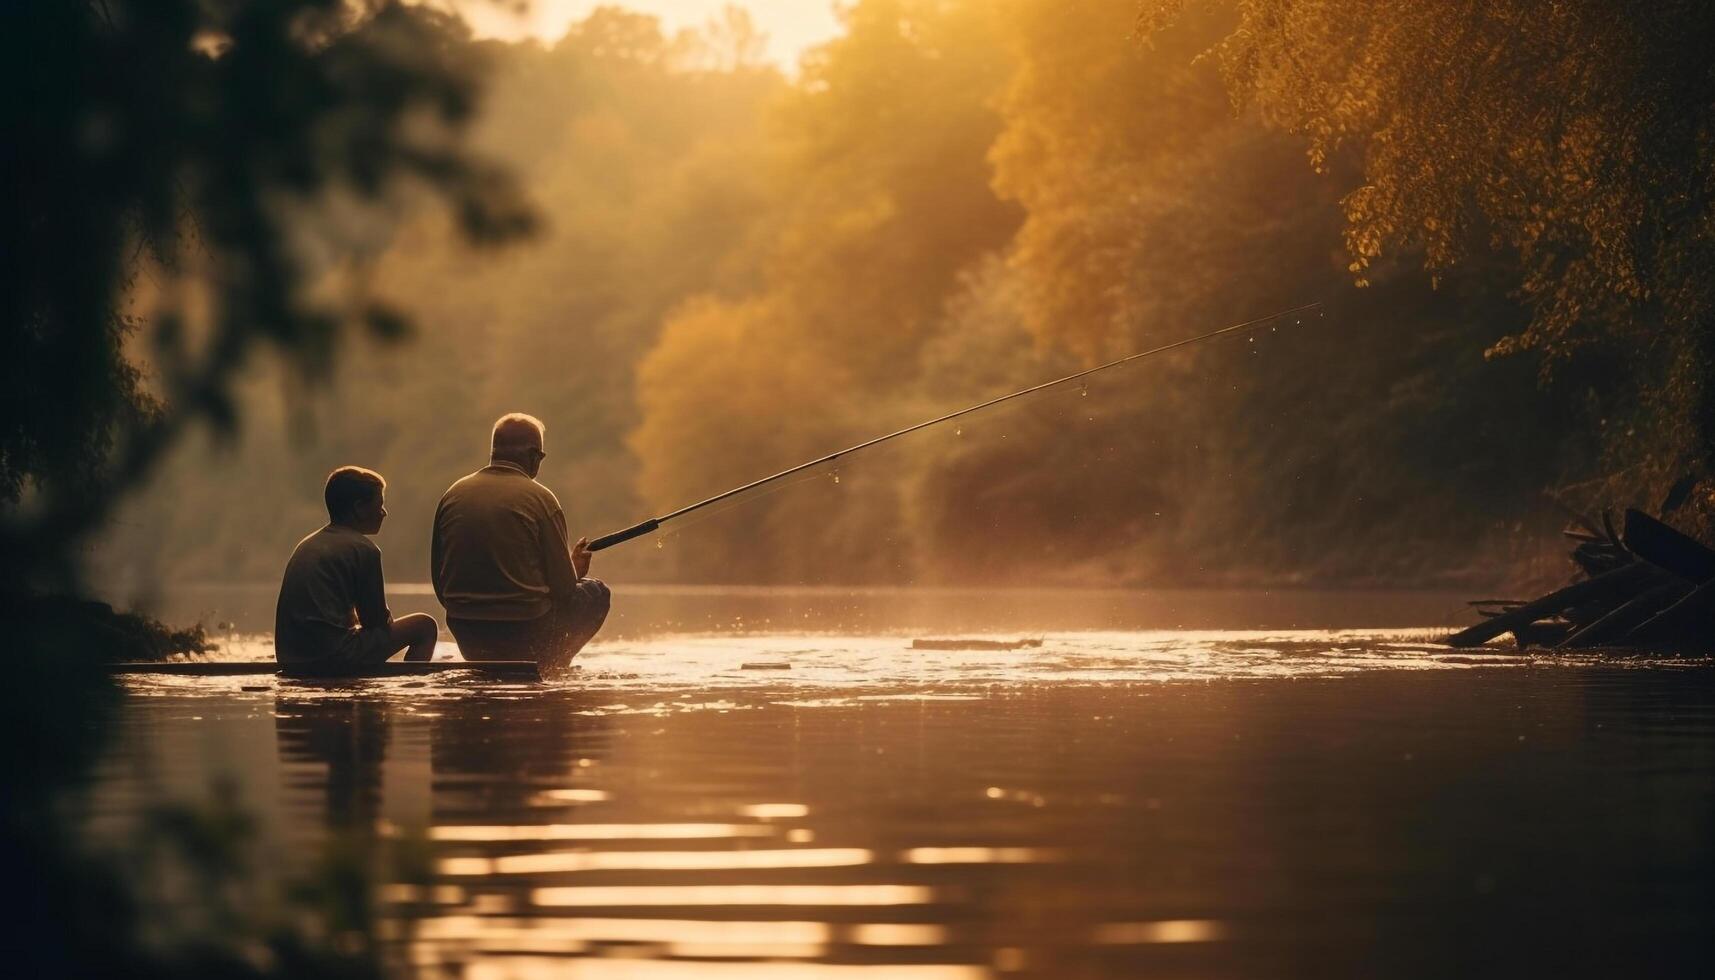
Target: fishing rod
[{"x": 638, "y": 530}]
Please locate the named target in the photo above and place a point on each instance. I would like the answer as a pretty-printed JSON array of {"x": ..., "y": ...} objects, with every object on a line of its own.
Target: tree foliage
[
  {"x": 187, "y": 181},
  {"x": 1361, "y": 445},
  {"x": 1572, "y": 138},
  {"x": 884, "y": 203},
  {"x": 202, "y": 161},
  {"x": 739, "y": 271},
  {"x": 647, "y": 166},
  {"x": 1149, "y": 212}
]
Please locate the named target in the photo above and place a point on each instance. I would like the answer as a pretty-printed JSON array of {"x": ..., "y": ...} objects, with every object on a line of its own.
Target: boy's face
[{"x": 368, "y": 514}]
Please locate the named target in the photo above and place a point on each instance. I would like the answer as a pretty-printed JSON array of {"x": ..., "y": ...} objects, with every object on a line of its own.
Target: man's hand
[{"x": 581, "y": 555}]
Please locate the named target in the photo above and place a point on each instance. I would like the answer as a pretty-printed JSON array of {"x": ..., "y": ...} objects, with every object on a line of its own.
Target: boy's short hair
[{"x": 349, "y": 486}]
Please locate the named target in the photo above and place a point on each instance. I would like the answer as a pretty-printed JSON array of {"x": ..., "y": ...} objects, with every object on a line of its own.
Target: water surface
[{"x": 1116, "y": 803}]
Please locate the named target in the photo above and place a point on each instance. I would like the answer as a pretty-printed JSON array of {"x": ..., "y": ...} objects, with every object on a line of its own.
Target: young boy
[{"x": 332, "y": 615}]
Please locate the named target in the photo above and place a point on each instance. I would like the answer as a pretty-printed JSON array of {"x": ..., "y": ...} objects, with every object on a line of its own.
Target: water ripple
[{"x": 701, "y": 663}]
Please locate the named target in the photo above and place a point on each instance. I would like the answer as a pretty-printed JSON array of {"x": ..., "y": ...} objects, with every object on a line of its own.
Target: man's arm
[
  {"x": 436, "y": 548},
  {"x": 372, "y": 611},
  {"x": 557, "y": 565},
  {"x": 581, "y": 555}
]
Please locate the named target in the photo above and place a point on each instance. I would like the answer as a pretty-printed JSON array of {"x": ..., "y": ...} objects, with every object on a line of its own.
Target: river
[{"x": 1322, "y": 792}]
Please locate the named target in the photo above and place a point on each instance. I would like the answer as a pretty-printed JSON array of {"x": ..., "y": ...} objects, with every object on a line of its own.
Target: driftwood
[
  {"x": 1620, "y": 581},
  {"x": 1683, "y": 625},
  {"x": 1648, "y": 587},
  {"x": 1662, "y": 546},
  {"x": 1626, "y": 617},
  {"x": 1544, "y": 635},
  {"x": 1597, "y": 551},
  {"x": 962, "y": 644}
]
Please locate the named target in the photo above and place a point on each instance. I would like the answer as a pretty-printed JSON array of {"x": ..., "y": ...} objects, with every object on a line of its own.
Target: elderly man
[{"x": 512, "y": 588}]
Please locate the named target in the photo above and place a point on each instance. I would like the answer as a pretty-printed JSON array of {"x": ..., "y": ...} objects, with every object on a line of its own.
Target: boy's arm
[{"x": 372, "y": 612}]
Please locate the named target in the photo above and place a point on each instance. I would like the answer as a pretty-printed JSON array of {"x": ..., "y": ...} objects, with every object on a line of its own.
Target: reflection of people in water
[
  {"x": 349, "y": 737},
  {"x": 488, "y": 772},
  {"x": 512, "y": 586},
  {"x": 332, "y": 617},
  {"x": 489, "y": 760}
]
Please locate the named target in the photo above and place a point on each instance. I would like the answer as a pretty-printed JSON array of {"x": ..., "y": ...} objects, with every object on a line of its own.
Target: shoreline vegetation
[
  {"x": 1519, "y": 315},
  {"x": 180, "y": 173},
  {"x": 951, "y": 200},
  {"x": 69, "y": 623}
]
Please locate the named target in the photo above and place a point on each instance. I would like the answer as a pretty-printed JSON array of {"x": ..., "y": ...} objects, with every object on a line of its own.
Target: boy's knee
[{"x": 421, "y": 625}]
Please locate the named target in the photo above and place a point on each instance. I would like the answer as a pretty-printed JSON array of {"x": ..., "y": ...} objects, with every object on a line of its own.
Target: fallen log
[
  {"x": 1686, "y": 623},
  {"x": 1649, "y": 586},
  {"x": 1541, "y": 634},
  {"x": 1596, "y": 557},
  {"x": 1613, "y": 627},
  {"x": 1488, "y": 608},
  {"x": 1618, "y": 585},
  {"x": 1582, "y": 614},
  {"x": 1662, "y": 546}
]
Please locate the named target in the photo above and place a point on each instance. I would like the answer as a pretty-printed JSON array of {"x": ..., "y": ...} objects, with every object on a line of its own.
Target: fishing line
[{"x": 638, "y": 530}]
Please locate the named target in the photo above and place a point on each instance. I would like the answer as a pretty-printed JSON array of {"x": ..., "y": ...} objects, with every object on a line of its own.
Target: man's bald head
[{"x": 519, "y": 438}]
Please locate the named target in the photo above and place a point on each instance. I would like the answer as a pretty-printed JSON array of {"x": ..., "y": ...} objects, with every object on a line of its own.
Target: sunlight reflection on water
[
  {"x": 1109, "y": 804},
  {"x": 688, "y": 671}
]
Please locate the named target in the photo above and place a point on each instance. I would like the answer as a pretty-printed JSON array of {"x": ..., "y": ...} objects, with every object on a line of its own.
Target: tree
[
  {"x": 1355, "y": 447},
  {"x": 959, "y": 223},
  {"x": 650, "y": 180},
  {"x": 882, "y": 203},
  {"x": 189, "y": 181},
  {"x": 1574, "y": 138}
]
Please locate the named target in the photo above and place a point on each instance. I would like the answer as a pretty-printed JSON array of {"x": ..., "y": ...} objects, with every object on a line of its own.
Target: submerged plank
[{"x": 510, "y": 669}]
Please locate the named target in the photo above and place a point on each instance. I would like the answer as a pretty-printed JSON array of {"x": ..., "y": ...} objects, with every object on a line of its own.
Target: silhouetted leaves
[
  {"x": 191, "y": 172},
  {"x": 187, "y": 181},
  {"x": 1574, "y": 140}
]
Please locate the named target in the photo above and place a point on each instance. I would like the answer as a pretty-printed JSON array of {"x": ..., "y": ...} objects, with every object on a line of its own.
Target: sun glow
[{"x": 791, "y": 26}]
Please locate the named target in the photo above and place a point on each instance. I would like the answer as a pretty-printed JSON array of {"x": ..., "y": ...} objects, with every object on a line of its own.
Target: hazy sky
[{"x": 791, "y": 25}]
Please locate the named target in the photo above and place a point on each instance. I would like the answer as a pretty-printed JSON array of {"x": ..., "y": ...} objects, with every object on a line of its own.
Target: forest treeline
[{"x": 737, "y": 270}]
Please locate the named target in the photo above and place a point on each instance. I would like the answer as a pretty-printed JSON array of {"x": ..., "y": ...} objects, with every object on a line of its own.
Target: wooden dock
[{"x": 512, "y": 670}]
